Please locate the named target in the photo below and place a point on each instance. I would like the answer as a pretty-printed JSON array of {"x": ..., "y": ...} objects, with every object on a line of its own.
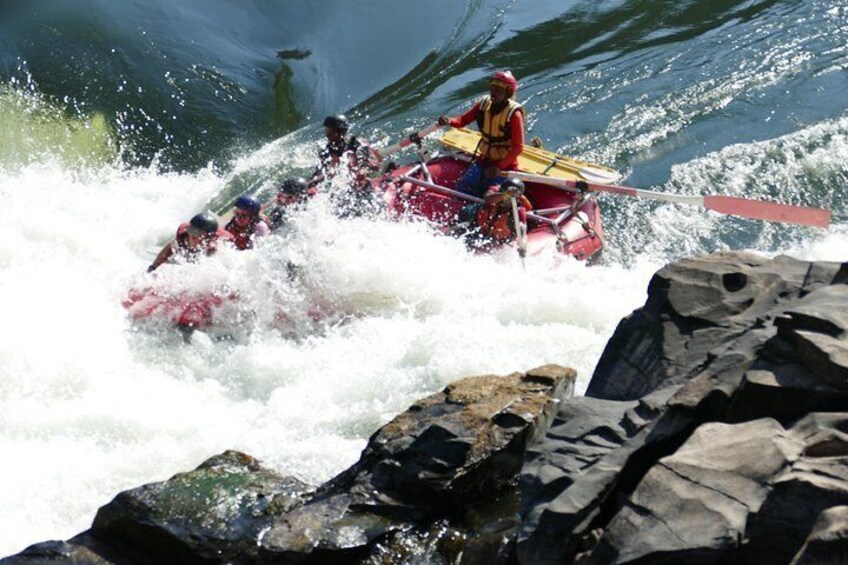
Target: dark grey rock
[
  {"x": 61, "y": 552},
  {"x": 462, "y": 446},
  {"x": 696, "y": 308},
  {"x": 738, "y": 355},
  {"x": 827, "y": 544},
  {"x": 569, "y": 479},
  {"x": 211, "y": 514},
  {"x": 695, "y": 504}
]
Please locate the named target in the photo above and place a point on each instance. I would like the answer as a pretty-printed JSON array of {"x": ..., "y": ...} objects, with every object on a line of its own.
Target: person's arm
[
  {"x": 324, "y": 168},
  {"x": 516, "y": 128},
  {"x": 316, "y": 177},
  {"x": 163, "y": 256},
  {"x": 463, "y": 120},
  {"x": 365, "y": 157}
]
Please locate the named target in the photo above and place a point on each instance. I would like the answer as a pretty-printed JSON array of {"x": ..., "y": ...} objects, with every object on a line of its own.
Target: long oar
[
  {"x": 383, "y": 152},
  {"x": 731, "y": 205}
]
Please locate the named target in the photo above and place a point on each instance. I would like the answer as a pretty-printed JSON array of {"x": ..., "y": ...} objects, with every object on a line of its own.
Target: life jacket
[
  {"x": 494, "y": 218},
  {"x": 211, "y": 244},
  {"x": 243, "y": 236},
  {"x": 494, "y": 129}
]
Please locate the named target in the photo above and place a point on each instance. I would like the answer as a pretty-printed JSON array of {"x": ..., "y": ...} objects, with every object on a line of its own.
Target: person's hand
[
  {"x": 494, "y": 195},
  {"x": 443, "y": 120}
]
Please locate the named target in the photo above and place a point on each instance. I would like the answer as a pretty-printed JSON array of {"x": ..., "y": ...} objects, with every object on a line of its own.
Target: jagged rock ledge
[{"x": 714, "y": 430}]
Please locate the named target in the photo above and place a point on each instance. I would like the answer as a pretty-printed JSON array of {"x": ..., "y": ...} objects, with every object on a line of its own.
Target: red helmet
[{"x": 505, "y": 79}]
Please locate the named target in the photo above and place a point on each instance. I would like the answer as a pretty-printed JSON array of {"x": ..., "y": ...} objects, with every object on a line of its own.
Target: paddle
[
  {"x": 731, "y": 205},
  {"x": 383, "y": 152}
]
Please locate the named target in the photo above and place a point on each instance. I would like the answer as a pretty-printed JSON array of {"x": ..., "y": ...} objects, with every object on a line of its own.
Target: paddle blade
[
  {"x": 599, "y": 176},
  {"x": 771, "y": 211}
]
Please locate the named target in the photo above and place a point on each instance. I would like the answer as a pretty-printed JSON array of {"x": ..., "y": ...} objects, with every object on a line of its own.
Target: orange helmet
[{"x": 506, "y": 80}]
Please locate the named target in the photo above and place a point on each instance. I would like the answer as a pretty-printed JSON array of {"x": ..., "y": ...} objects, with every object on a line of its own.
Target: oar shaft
[
  {"x": 732, "y": 205},
  {"x": 442, "y": 189},
  {"x": 467, "y": 197},
  {"x": 384, "y": 152}
]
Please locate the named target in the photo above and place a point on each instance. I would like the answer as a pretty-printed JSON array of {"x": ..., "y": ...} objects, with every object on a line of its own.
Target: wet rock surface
[
  {"x": 460, "y": 446},
  {"x": 737, "y": 366}
]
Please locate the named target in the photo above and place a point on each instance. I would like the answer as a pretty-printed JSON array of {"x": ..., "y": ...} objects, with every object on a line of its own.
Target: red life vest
[{"x": 243, "y": 236}]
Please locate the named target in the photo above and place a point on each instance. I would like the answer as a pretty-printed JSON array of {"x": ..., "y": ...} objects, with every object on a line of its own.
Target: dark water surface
[
  {"x": 737, "y": 97},
  {"x": 641, "y": 86},
  {"x": 645, "y": 84}
]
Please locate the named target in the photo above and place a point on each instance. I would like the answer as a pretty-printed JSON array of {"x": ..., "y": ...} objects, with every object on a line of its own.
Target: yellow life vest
[{"x": 495, "y": 139}]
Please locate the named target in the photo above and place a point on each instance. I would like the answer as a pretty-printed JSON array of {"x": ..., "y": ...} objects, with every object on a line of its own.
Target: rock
[
  {"x": 743, "y": 362},
  {"x": 695, "y": 309},
  {"x": 73, "y": 552},
  {"x": 468, "y": 441},
  {"x": 816, "y": 481},
  {"x": 747, "y": 492},
  {"x": 569, "y": 478},
  {"x": 461, "y": 446},
  {"x": 211, "y": 514},
  {"x": 694, "y": 505},
  {"x": 828, "y": 541}
]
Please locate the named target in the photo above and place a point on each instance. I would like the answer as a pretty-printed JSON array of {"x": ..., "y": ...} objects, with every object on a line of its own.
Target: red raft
[
  {"x": 196, "y": 310},
  {"x": 565, "y": 221}
]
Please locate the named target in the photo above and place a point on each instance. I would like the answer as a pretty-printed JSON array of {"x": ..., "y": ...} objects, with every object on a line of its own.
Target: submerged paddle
[
  {"x": 383, "y": 152},
  {"x": 731, "y": 205}
]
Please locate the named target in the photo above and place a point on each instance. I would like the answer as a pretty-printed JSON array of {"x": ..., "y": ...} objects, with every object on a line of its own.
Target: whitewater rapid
[{"x": 91, "y": 405}]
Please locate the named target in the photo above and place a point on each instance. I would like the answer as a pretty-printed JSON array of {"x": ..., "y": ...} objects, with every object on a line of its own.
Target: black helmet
[
  {"x": 248, "y": 202},
  {"x": 513, "y": 185},
  {"x": 204, "y": 223},
  {"x": 338, "y": 123},
  {"x": 294, "y": 186}
]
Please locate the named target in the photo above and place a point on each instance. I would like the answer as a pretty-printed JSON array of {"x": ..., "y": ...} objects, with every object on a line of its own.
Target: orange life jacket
[{"x": 494, "y": 218}]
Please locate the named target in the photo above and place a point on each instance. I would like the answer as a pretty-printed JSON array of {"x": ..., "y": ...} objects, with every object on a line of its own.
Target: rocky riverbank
[{"x": 714, "y": 430}]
